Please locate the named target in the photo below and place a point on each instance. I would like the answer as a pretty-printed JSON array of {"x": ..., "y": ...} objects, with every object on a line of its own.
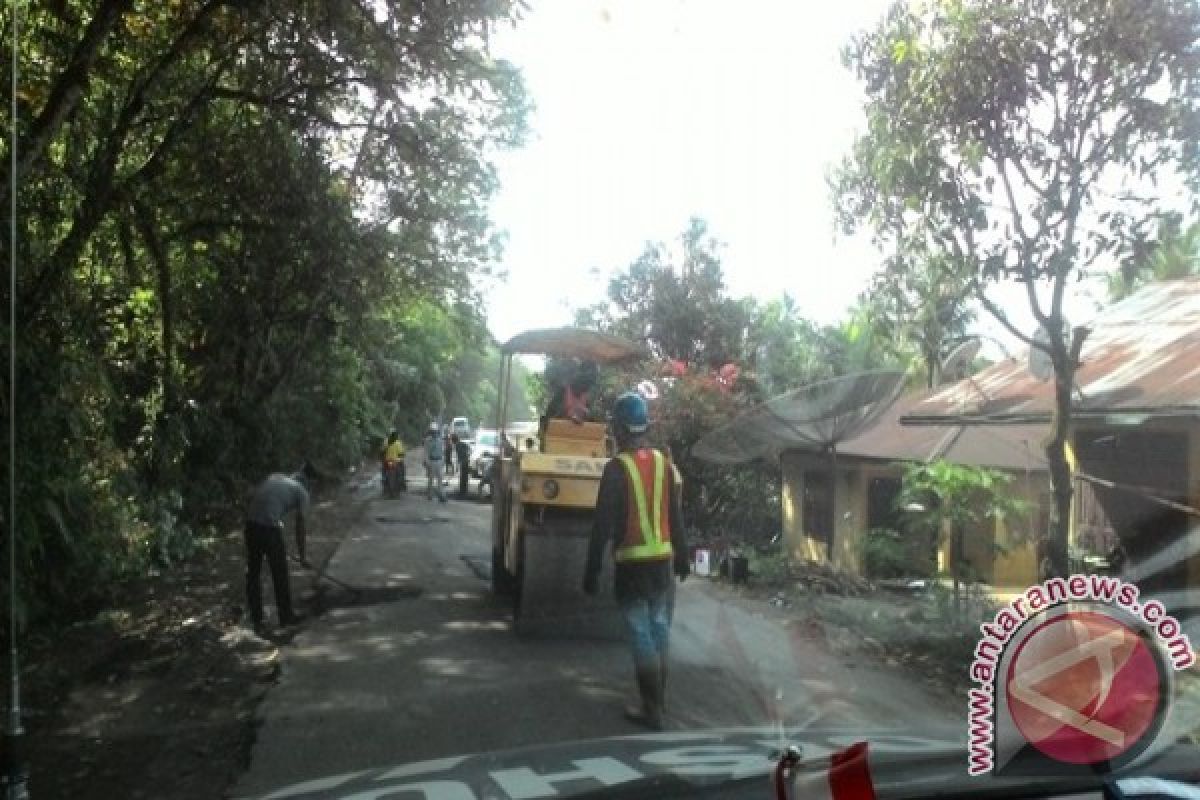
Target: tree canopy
[
  {"x": 1024, "y": 143},
  {"x": 249, "y": 234},
  {"x": 1175, "y": 255}
]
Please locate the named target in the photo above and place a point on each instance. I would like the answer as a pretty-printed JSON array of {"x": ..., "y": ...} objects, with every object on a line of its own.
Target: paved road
[{"x": 442, "y": 673}]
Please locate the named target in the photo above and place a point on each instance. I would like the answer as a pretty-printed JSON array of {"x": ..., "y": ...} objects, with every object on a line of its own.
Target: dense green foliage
[
  {"x": 249, "y": 234},
  {"x": 947, "y": 502},
  {"x": 1024, "y": 142},
  {"x": 1176, "y": 254},
  {"x": 890, "y": 554},
  {"x": 920, "y": 308}
]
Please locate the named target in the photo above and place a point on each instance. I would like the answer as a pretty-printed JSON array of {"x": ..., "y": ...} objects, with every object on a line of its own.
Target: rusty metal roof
[
  {"x": 1014, "y": 447},
  {"x": 1141, "y": 360},
  {"x": 776, "y": 427}
]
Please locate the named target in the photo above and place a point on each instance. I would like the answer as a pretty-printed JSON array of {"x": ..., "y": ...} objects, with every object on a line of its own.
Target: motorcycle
[{"x": 395, "y": 479}]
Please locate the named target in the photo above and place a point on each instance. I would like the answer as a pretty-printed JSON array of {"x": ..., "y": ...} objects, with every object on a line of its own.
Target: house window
[
  {"x": 818, "y": 512},
  {"x": 881, "y": 503}
]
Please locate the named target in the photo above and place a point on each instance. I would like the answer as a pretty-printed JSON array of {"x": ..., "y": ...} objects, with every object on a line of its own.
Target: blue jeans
[
  {"x": 648, "y": 622},
  {"x": 433, "y": 477}
]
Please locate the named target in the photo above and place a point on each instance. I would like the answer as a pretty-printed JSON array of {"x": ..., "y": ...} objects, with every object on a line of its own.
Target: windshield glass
[{"x": 399, "y": 382}]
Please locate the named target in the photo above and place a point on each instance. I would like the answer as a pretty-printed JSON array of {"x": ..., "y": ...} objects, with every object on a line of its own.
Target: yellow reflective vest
[{"x": 648, "y": 519}]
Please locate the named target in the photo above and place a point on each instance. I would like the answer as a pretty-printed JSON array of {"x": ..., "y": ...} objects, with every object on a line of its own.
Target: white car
[{"x": 486, "y": 446}]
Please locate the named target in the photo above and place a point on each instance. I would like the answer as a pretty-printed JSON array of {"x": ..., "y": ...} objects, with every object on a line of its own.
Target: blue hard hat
[{"x": 630, "y": 413}]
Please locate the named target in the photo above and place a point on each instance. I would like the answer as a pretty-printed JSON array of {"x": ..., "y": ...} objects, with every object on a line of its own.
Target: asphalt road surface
[{"x": 441, "y": 673}]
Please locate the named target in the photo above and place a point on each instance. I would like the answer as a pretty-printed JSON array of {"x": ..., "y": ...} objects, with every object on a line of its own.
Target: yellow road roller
[{"x": 544, "y": 500}]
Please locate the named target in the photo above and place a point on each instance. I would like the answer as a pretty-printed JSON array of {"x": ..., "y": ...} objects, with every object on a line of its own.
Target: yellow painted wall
[
  {"x": 1017, "y": 568},
  {"x": 1009, "y": 558},
  {"x": 792, "y": 500},
  {"x": 1015, "y": 565},
  {"x": 850, "y": 517},
  {"x": 1012, "y": 569},
  {"x": 800, "y": 546}
]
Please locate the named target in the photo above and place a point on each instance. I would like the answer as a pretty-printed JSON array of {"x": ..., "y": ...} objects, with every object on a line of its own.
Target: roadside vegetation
[{"x": 248, "y": 236}]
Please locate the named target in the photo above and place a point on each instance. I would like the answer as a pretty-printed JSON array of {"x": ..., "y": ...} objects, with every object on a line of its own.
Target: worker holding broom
[{"x": 276, "y": 497}]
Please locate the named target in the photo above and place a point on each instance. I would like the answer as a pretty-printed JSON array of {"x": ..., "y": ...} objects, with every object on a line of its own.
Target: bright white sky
[{"x": 651, "y": 111}]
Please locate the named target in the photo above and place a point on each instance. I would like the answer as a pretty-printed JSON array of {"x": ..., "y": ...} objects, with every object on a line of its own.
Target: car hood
[{"x": 684, "y": 764}]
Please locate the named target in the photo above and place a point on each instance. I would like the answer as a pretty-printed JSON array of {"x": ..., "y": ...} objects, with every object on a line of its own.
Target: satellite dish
[
  {"x": 813, "y": 418},
  {"x": 1040, "y": 364},
  {"x": 961, "y": 356}
]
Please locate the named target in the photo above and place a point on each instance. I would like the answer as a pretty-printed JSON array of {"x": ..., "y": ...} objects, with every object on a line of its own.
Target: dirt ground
[
  {"x": 857, "y": 619},
  {"x": 156, "y": 698}
]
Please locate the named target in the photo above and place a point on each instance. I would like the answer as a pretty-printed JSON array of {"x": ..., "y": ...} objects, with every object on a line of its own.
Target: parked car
[{"x": 485, "y": 447}]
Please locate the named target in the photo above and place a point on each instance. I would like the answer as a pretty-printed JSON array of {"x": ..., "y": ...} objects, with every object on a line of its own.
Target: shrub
[{"x": 884, "y": 554}]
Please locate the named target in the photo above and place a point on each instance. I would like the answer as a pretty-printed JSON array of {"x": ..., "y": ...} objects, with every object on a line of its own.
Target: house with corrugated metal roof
[
  {"x": 850, "y": 427},
  {"x": 1135, "y": 432},
  {"x": 870, "y": 466},
  {"x": 1135, "y": 441}
]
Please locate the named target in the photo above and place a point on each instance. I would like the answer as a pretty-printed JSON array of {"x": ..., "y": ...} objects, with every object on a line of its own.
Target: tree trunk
[
  {"x": 1052, "y": 544},
  {"x": 1052, "y": 555}
]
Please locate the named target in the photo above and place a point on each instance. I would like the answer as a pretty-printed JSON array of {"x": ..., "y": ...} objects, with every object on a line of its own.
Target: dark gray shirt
[{"x": 274, "y": 498}]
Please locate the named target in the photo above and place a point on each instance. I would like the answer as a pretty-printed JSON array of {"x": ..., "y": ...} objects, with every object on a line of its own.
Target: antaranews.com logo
[{"x": 1075, "y": 674}]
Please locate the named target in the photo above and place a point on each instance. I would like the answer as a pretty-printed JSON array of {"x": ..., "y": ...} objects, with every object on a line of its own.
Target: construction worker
[
  {"x": 573, "y": 397},
  {"x": 273, "y": 499},
  {"x": 393, "y": 463},
  {"x": 638, "y": 515},
  {"x": 462, "y": 452},
  {"x": 448, "y": 450},
  {"x": 433, "y": 464}
]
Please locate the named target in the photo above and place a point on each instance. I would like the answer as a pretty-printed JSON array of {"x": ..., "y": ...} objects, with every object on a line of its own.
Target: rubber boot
[{"x": 649, "y": 681}]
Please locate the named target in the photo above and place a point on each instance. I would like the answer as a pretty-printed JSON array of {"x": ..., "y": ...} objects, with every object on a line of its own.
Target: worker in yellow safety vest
[{"x": 638, "y": 516}]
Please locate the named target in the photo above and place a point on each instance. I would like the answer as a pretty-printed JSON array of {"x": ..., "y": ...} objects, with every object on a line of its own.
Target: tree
[
  {"x": 949, "y": 500},
  {"x": 919, "y": 308},
  {"x": 1175, "y": 255},
  {"x": 235, "y": 222},
  {"x": 788, "y": 350},
  {"x": 860, "y": 342},
  {"x": 675, "y": 302},
  {"x": 1023, "y": 142}
]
